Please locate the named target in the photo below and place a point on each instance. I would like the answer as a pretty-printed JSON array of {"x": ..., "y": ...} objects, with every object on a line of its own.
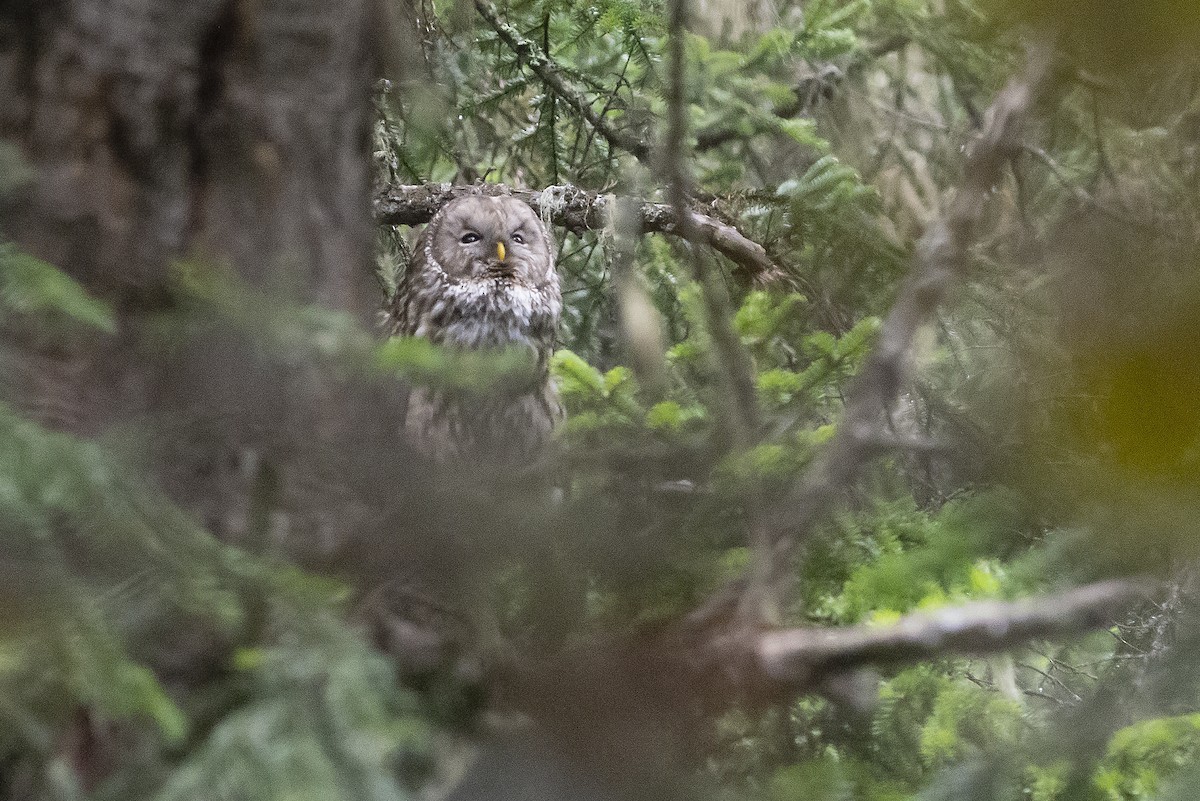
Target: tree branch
[
  {"x": 552, "y": 75},
  {"x": 798, "y": 657},
  {"x": 579, "y": 210}
]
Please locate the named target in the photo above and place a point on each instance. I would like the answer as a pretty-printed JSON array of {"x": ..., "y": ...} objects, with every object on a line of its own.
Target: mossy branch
[{"x": 579, "y": 210}]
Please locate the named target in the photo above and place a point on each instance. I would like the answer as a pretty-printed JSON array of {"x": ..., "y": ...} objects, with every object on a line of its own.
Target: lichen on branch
[{"x": 579, "y": 210}]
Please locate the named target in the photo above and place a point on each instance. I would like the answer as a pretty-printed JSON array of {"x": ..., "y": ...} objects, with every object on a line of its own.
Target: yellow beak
[{"x": 500, "y": 250}]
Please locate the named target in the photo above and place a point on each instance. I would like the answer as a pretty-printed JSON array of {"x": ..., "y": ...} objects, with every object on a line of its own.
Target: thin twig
[
  {"x": 1051, "y": 678},
  {"x": 1086, "y": 198},
  {"x": 1082, "y": 195}
]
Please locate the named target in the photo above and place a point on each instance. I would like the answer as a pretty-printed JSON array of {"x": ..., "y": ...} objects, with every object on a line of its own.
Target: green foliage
[
  {"x": 15, "y": 172},
  {"x": 834, "y": 137},
  {"x": 99, "y": 562},
  {"x": 600, "y": 402},
  {"x": 915, "y": 559},
  {"x": 32, "y": 288},
  {"x": 1046, "y": 431},
  {"x": 477, "y": 372},
  {"x": 1143, "y": 757},
  {"x": 967, "y": 717},
  {"x": 325, "y": 720},
  {"x": 825, "y": 777},
  {"x": 53, "y": 483}
]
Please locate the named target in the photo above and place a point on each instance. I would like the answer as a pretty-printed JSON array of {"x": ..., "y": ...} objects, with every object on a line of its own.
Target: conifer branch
[
  {"x": 806, "y": 93},
  {"x": 551, "y": 74}
]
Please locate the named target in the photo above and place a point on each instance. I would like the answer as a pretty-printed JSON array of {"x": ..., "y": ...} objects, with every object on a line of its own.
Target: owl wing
[{"x": 402, "y": 322}]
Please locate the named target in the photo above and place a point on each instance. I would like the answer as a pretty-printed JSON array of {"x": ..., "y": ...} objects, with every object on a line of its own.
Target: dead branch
[
  {"x": 551, "y": 74},
  {"x": 723, "y": 669},
  {"x": 798, "y": 657},
  {"x": 579, "y": 210},
  {"x": 941, "y": 259}
]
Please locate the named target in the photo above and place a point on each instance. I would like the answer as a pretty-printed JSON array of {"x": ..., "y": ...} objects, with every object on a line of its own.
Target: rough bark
[{"x": 232, "y": 131}]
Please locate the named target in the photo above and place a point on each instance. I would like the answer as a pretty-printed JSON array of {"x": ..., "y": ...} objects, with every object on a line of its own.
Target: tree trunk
[{"x": 233, "y": 131}]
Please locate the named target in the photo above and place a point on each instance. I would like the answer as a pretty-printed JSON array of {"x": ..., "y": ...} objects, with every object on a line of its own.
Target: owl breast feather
[{"x": 491, "y": 313}]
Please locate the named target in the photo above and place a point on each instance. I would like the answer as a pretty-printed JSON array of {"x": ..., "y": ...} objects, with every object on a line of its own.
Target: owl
[{"x": 482, "y": 276}]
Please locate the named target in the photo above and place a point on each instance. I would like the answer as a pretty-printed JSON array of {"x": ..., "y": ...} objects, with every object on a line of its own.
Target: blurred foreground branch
[
  {"x": 803, "y": 655},
  {"x": 579, "y": 210},
  {"x": 667, "y": 675}
]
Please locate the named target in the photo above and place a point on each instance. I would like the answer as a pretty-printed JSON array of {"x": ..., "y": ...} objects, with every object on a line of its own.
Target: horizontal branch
[
  {"x": 579, "y": 210},
  {"x": 798, "y": 657},
  {"x": 709, "y": 672}
]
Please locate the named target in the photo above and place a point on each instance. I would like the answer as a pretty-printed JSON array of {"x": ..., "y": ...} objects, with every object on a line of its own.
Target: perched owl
[{"x": 482, "y": 276}]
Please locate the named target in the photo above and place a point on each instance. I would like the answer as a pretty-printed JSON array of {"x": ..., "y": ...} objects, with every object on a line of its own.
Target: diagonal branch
[
  {"x": 941, "y": 259},
  {"x": 552, "y": 75},
  {"x": 579, "y": 210},
  {"x": 800, "y": 657}
]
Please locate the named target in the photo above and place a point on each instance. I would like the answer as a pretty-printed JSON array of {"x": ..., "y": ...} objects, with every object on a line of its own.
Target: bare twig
[
  {"x": 799, "y": 657},
  {"x": 1050, "y": 677},
  {"x": 552, "y": 75},
  {"x": 1080, "y": 194},
  {"x": 579, "y": 210},
  {"x": 1088, "y": 199},
  {"x": 941, "y": 258}
]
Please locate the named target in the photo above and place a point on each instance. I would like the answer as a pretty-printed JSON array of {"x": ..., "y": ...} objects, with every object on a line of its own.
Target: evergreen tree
[{"x": 879, "y": 355}]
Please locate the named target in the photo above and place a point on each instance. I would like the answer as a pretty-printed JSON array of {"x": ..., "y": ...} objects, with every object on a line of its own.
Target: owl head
[
  {"x": 490, "y": 239},
  {"x": 482, "y": 274}
]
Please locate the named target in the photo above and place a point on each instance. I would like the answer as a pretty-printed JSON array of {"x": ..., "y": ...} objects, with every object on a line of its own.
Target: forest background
[{"x": 880, "y": 473}]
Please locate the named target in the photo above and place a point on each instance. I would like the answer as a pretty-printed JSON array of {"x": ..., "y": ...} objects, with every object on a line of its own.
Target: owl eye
[
  {"x": 520, "y": 240},
  {"x": 469, "y": 238}
]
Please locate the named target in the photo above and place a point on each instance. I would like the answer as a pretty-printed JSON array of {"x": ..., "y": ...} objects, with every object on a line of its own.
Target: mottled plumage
[{"x": 482, "y": 276}]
